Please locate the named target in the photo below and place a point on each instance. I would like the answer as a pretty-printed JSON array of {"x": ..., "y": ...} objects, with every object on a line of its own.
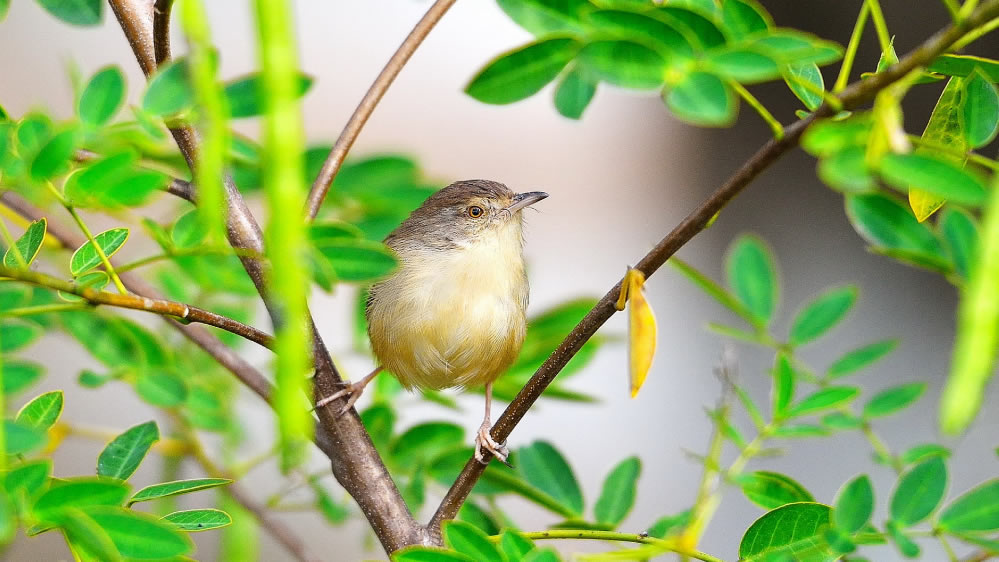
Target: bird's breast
[{"x": 451, "y": 317}]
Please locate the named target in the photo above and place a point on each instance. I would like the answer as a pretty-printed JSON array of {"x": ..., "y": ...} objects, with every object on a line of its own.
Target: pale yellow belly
[{"x": 435, "y": 330}]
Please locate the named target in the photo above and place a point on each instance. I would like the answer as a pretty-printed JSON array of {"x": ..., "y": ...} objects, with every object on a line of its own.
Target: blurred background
[{"x": 619, "y": 179}]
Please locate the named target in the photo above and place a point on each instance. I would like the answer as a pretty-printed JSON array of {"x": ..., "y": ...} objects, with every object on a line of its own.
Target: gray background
[{"x": 619, "y": 180}]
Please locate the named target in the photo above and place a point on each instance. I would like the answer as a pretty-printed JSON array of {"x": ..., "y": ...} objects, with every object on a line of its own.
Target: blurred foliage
[{"x": 927, "y": 201}]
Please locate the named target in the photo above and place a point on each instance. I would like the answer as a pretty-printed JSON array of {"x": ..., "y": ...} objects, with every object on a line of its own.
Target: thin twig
[
  {"x": 321, "y": 186},
  {"x": 666, "y": 545},
  {"x": 696, "y": 221},
  {"x": 156, "y": 306}
]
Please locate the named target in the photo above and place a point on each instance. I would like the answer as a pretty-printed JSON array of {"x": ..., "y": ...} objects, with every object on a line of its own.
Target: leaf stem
[
  {"x": 974, "y": 35},
  {"x": 772, "y": 122},
  {"x": 851, "y": 49},
  {"x": 881, "y": 449},
  {"x": 667, "y": 545},
  {"x": 97, "y": 247},
  {"x": 878, "y": 17},
  {"x": 952, "y": 9},
  {"x": 43, "y": 309}
]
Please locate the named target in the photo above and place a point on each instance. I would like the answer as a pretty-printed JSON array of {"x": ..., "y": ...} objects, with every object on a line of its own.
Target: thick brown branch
[
  {"x": 852, "y": 97},
  {"x": 156, "y": 306},
  {"x": 321, "y": 186},
  {"x": 355, "y": 462},
  {"x": 161, "y": 30}
]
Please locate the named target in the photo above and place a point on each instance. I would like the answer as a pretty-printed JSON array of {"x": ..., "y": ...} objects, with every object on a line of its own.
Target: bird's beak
[{"x": 522, "y": 200}]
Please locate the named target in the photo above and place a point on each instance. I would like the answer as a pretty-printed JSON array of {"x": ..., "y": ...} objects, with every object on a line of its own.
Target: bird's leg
[
  {"x": 485, "y": 441},
  {"x": 352, "y": 392}
]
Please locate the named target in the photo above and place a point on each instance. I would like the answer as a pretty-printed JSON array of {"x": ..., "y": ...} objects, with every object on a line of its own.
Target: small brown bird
[{"x": 454, "y": 313}]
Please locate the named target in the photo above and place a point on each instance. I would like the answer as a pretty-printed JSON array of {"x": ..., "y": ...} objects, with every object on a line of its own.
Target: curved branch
[
  {"x": 156, "y": 306},
  {"x": 321, "y": 186},
  {"x": 695, "y": 222},
  {"x": 161, "y": 30}
]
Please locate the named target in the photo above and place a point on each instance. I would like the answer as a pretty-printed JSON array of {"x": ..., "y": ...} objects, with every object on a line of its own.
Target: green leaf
[
  {"x": 905, "y": 545},
  {"x": 86, "y": 258},
  {"x": 428, "y": 554},
  {"x": 933, "y": 175},
  {"x": 853, "y": 361},
  {"x": 469, "y": 540},
  {"x": 919, "y": 492},
  {"x": 743, "y": 65},
  {"x": 770, "y": 490},
  {"x": 959, "y": 235},
  {"x": 541, "y": 17},
  {"x": 830, "y": 136},
  {"x": 574, "y": 93},
  {"x": 29, "y": 477},
  {"x": 422, "y": 443},
  {"x": 20, "y": 439},
  {"x": 976, "y": 510},
  {"x": 27, "y": 245},
  {"x": 744, "y": 17},
  {"x": 893, "y": 399},
  {"x": 790, "y": 46},
  {"x": 658, "y": 34},
  {"x": 783, "y": 389},
  {"x": 670, "y": 524},
  {"x": 752, "y": 274},
  {"x": 169, "y": 91},
  {"x": 102, "y": 97},
  {"x": 821, "y": 314},
  {"x": 198, "y": 519},
  {"x": 87, "y": 540},
  {"x": 162, "y": 490},
  {"x": 16, "y": 334},
  {"x": 964, "y": 65},
  {"x": 75, "y": 12},
  {"x": 840, "y": 420},
  {"x": 847, "y": 171},
  {"x": 4, "y": 7},
  {"x": 546, "y": 469},
  {"x": 702, "y": 99},
  {"x": 42, "y": 411},
  {"x": 514, "y": 545},
  {"x": 161, "y": 388},
  {"x": 794, "y": 531},
  {"x": 122, "y": 456},
  {"x": 19, "y": 375},
  {"x": 140, "y": 535},
  {"x": 54, "y": 156},
  {"x": 824, "y": 399},
  {"x": 806, "y": 83},
  {"x": 243, "y": 95},
  {"x": 357, "y": 260},
  {"x": 78, "y": 492},
  {"x": 854, "y": 505},
  {"x": 801, "y": 430},
  {"x": 624, "y": 63},
  {"x": 618, "y": 494},
  {"x": 698, "y": 28},
  {"x": 471, "y": 513},
  {"x": 379, "y": 419},
  {"x": 981, "y": 109},
  {"x": 888, "y": 225},
  {"x": 522, "y": 72},
  {"x": 919, "y": 453},
  {"x": 113, "y": 182}
]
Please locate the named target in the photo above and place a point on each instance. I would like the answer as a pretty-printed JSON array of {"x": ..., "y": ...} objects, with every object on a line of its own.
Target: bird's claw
[
  {"x": 485, "y": 442},
  {"x": 352, "y": 392}
]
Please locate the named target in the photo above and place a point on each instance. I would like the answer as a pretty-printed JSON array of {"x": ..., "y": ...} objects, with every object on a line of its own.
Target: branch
[
  {"x": 354, "y": 460},
  {"x": 666, "y": 545},
  {"x": 155, "y": 306},
  {"x": 161, "y": 30},
  {"x": 364, "y": 109},
  {"x": 695, "y": 222}
]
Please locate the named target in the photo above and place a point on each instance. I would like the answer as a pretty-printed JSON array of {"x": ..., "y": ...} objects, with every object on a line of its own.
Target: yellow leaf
[
  {"x": 923, "y": 204},
  {"x": 641, "y": 329}
]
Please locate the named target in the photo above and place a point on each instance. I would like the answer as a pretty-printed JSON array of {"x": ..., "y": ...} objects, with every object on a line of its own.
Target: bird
[{"x": 454, "y": 312}]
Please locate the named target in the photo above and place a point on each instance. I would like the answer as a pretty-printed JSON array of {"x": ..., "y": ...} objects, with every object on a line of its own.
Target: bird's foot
[
  {"x": 485, "y": 442},
  {"x": 353, "y": 391}
]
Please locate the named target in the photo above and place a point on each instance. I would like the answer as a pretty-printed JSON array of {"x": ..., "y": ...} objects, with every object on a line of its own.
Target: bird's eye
[{"x": 475, "y": 211}]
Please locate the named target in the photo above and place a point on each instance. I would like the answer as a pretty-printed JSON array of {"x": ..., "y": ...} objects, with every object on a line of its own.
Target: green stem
[
  {"x": 974, "y": 35},
  {"x": 97, "y": 247},
  {"x": 966, "y": 9},
  {"x": 881, "y": 449},
  {"x": 952, "y": 9},
  {"x": 851, "y": 49},
  {"x": 43, "y": 309},
  {"x": 773, "y": 123},
  {"x": 878, "y": 17},
  {"x": 707, "y": 496},
  {"x": 951, "y": 555},
  {"x": 224, "y": 251},
  {"x": 667, "y": 545}
]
